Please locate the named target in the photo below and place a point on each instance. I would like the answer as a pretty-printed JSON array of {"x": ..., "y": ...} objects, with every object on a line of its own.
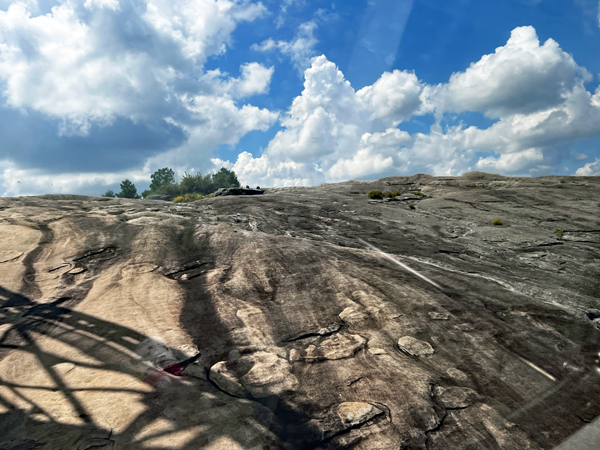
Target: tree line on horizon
[{"x": 163, "y": 183}]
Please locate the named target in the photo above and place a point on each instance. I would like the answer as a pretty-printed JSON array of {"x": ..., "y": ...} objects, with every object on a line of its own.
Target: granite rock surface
[{"x": 325, "y": 320}]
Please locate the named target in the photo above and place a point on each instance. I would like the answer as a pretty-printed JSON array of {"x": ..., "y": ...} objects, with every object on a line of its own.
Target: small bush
[
  {"x": 376, "y": 195},
  {"x": 418, "y": 192},
  {"x": 560, "y": 233},
  {"x": 170, "y": 190},
  {"x": 212, "y": 194},
  {"x": 188, "y": 198},
  {"x": 390, "y": 194},
  {"x": 411, "y": 206},
  {"x": 497, "y": 222}
]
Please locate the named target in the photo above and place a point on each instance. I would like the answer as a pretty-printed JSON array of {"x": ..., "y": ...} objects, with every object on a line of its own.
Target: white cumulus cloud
[
  {"x": 536, "y": 92},
  {"x": 591, "y": 169},
  {"x": 520, "y": 77},
  {"x": 255, "y": 79},
  {"x": 394, "y": 97},
  {"x": 67, "y": 65},
  {"x": 377, "y": 152},
  {"x": 300, "y": 49},
  {"x": 110, "y": 4},
  {"x": 199, "y": 27},
  {"x": 331, "y": 132},
  {"x": 511, "y": 162}
]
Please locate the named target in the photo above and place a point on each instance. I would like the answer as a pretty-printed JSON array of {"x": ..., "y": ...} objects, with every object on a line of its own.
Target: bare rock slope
[{"x": 325, "y": 320}]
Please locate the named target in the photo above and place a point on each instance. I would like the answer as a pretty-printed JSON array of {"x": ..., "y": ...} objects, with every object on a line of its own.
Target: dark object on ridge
[
  {"x": 247, "y": 187},
  {"x": 178, "y": 368},
  {"x": 238, "y": 191},
  {"x": 257, "y": 187},
  {"x": 155, "y": 377},
  {"x": 593, "y": 315},
  {"x": 166, "y": 198}
]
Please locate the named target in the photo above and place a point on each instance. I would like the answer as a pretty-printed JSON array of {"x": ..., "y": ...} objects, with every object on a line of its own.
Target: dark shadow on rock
[
  {"x": 294, "y": 429},
  {"x": 111, "y": 345}
]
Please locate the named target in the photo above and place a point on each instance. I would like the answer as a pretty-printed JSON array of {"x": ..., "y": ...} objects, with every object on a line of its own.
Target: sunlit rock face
[{"x": 324, "y": 319}]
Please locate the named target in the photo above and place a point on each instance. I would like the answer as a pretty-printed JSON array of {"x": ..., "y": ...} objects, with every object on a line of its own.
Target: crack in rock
[
  {"x": 325, "y": 331},
  {"x": 89, "y": 254}
]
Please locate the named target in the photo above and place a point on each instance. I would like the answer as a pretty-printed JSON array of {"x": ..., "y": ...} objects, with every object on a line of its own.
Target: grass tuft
[{"x": 497, "y": 222}]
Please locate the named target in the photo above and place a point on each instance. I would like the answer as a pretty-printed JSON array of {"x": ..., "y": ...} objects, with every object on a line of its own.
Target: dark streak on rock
[
  {"x": 325, "y": 331},
  {"x": 108, "y": 250},
  {"x": 58, "y": 268},
  {"x": 29, "y": 287},
  {"x": 353, "y": 380},
  {"x": 187, "y": 268},
  {"x": 550, "y": 244}
]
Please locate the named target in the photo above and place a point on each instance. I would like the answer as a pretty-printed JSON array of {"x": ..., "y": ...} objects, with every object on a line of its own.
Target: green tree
[
  {"x": 225, "y": 178},
  {"x": 161, "y": 178},
  {"x": 109, "y": 193},
  {"x": 128, "y": 190},
  {"x": 196, "y": 184}
]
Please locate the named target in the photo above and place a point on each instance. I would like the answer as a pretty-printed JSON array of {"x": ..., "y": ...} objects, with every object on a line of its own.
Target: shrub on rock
[
  {"x": 188, "y": 198},
  {"x": 376, "y": 195}
]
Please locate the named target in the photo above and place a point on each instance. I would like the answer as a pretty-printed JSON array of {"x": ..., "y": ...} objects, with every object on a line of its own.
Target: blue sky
[{"x": 294, "y": 92}]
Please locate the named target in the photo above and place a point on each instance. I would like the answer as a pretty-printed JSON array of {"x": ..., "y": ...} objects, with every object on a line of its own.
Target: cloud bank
[
  {"x": 534, "y": 92},
  {"x": 95, "y": 91},
  {"x": 128, "y": 69}
]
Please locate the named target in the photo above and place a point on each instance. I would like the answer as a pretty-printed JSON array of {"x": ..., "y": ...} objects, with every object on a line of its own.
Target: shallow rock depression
[{"x": 324, "y": 319}]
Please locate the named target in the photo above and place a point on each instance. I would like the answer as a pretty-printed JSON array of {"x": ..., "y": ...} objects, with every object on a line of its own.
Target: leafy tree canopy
[
  {"x": 161, "y": 178},
  {"x": 163, "y": 183},
  {"x": 109, "y": 193},
  {"x": 225, "y": 178},
  {"x": 128, "y": 190}
]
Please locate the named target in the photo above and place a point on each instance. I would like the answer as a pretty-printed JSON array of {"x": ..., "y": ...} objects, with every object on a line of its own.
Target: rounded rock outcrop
[{"x": 414, "y": 346}]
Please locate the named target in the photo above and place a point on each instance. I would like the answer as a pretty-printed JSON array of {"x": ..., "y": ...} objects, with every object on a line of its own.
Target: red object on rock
[{"x": 174, "y": 369}]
